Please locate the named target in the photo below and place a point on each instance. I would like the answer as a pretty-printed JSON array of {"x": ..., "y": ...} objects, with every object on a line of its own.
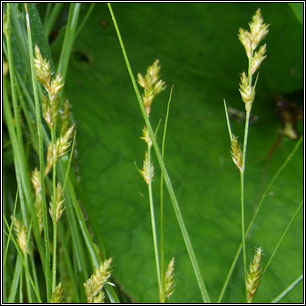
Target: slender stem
[
  {"x": 41, "y": 158},
  {"x": 54, "y": 204},
  {"x": 92, "y": 5},
  {"x": 287, "y": 290},
  {"x": 50, "y": 20},
  {"x": 162, "y": 256},
  {"x": 259, "y": 205},
  {"x": 153, "y": 223},
  {"x": 168, "y": 184},
  {"x": 73, "y": 16},
  {"x": 282, "y": 238},
  {"x": 242, "y": 172}
]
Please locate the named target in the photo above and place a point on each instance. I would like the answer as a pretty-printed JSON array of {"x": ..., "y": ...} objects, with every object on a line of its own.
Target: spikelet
[
  {"x": 253, "y": 277},
  {"x": 247, "y": 92},
  {"x": 42, "y": 68},
  {"x": 57, "y": 295},
  {"x": 236, "y": 153},
  {"x": 169, "y": 280},
  {"x": 65, "y": 116},
  {"x": 96, "y": 282},
  {"x": 59, "y": 149},
  {"x": 20, "y": 231},
  {"x": 59, "y": 200},
  {"x": 52, "y": 86},
  {"x": 38, "y": 201},
  {"x": 151, "y": 84},
  {"x": 5, "y": 67},
  {"x": 147, "y": 171},
  {"x": 146, "y": 137},
  {"x": 250, "y": 40},
  {"x": 258, "y": 31}
]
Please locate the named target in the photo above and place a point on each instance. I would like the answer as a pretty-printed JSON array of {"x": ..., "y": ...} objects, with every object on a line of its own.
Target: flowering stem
[
  {"x": 153, "y": 219},
  {"x": 167, "y": 180}
]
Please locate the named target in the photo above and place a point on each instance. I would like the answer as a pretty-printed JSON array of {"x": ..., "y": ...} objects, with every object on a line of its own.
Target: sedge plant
[{"x": 45, "y": 220}]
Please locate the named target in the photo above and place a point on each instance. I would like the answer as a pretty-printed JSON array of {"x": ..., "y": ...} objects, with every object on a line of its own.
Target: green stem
[
  {"x": 162, "y": 256},
  {"x": 259, "y": 205},
  {"x": 41, "y": 159},
  {"x": 242, "y": 172},
  {"x": 92, "y": 5},
  {"x": 282, "y": 238},
  {"x": 73, "y": 16},
  {"x": 153, "y": 219},
  {"x": 54, "y": 204},
  {"x": 287, "y": 290},
  {"x": 50, "y": 20},
  {"x": 168, "y": 184}
]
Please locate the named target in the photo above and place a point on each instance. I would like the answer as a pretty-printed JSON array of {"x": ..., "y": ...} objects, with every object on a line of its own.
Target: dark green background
[{"x": 200, "y": 54}]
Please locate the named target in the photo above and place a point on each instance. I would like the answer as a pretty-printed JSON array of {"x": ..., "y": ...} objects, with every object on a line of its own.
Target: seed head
[
  {"x": 21, "y": 233},
  {"x": 169, "y": 280},
  {"x": 236, "y": 153},
  {"x": 151, "y": 84},
  {"x": 59, "y": 200},
  {"x": 42, "y": 68},
  {"x": 147, "y": 171},
  {"x": 253, "y": 277},
  {"x": 57, "y": 295},
  {"x": 96, "y": 282}
]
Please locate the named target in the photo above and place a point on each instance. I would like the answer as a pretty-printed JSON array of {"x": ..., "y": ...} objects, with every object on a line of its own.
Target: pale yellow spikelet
[
  {"x": 96, "y": 282},
  {"x": 46, "y": 111},
  {"x": 59, "y": 149},
  {"x": 146, "y": 137},
  {"x": 57, "y": 295},
  {"x": 21, "y": 233},
  {"x": 63, "y": 143},
  {"x": 59, "y": 200},
  {"x": 99, "y": 298},
  {"x": 39, "y": 212},
  {"x": 257, "y": 58},
  {"x": 169, "y": 280},
  {"x": 147, "y": 171},
  {"x": 151, "y": 84},
  {"x": 5, "y": 67},
  {"x": 236, "y": 153},
  {"x": 258, "y": 31},
  {"x": 247, "y": 92},
  {"x": 35, "y": 178},
  {"x": 42, "y": 68},
  {"x": 245, "y": 39},
  {"x": 5, "y": 24},
  {"x": 253, "y": 277},
  {"x": 65, "y": 116},
  {"x": 55, "y": 87}
]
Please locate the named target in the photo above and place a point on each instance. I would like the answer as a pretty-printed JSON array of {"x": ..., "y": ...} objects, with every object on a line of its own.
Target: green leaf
[{"x": 201, "y": 55}]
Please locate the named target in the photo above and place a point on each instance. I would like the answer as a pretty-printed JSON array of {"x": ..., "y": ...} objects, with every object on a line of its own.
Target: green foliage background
[{"x": 201, "y": 55}]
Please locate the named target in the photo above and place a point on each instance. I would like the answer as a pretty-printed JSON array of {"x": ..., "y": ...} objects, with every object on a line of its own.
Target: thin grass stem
[
  {"x": 287, "y": 290},
  {"x": 51, "y": 18},
  {"x": 258, "y": 207},
  {"x": 168, "y": 184},
  {"x": 70, "y": 31},
  {"x": 282, "y": 238}
]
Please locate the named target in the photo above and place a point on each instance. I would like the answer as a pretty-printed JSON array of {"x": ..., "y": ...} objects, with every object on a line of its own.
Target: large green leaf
[{"x": 201, "y": 55}]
